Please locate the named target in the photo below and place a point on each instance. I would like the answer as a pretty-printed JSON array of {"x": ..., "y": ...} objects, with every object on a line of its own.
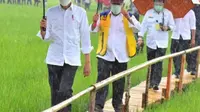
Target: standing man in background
[
  {"x": 87, "y": 4},
  {"x": 9, "y": 2},
  {"x": 183, "y": 38},
  {"x": 23, "y": 1},
  {"x": 29, "y": 2},
  {"x": 116, "y": 45},
  {"x": 193, "y": 56},
  {"x": 157, "y": 22},
  {"x": 2, "y": 1},
  {"x": 66, "y": 27}
]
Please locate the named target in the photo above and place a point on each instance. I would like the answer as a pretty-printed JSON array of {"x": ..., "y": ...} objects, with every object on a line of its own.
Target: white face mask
[
  {"x": 116, "y": 9},
  {"x": 65, "y": 2}
]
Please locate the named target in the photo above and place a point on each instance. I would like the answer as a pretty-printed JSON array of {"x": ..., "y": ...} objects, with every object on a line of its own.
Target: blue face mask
[{"x": 158, "y": 8}]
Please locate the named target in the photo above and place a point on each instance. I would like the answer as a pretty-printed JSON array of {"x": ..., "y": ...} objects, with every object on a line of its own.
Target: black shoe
[
  {"x": 155, "y": 87},
  {"x": 150, "y": 86},
  {"x": 193, "y": 73},
  {"x": 98, "y": 109},
  {"x": 189, "y": 70},
  {"x": 177, "y": 76}
]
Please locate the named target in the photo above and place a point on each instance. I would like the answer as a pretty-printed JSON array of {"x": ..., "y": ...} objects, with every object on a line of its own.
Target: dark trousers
[
  {"x": 18, "y": 1},
  {"x": 105, "y": 68},
  {"x": 87, "y": 6},
  {"x": 2, "y": 1},
  {"x": 14, "y": 2},
  {"x": 193, "y": 56},
  {"x": 29, "y": 2},
  {"x": 9, "y": 2},
  {"x": 61, "y": 79},
  {"x": 156, "y": 69},
  {"x": 177, "y": 46},
  {"x": 23, "y": 1}
]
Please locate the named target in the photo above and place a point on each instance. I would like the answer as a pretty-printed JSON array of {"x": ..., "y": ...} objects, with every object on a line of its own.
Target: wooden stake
[
  {"x": 92, "y": 101},
  {"x": 198, "y": 60},
  {"x": 180, "y": 86},
  {"x": 168, "y": 88}
]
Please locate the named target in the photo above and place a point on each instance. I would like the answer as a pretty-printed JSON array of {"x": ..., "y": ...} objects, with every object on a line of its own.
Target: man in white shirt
[
  {"x": 157, "y": 22},
  {"x": 182, "y": 40},
  {"x": 66, "y": 27},
  {"x": 193, "y": 56},
  {"x": 116, "y": 45}
]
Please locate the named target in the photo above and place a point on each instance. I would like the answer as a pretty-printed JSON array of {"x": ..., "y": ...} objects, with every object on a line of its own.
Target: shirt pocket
[
  {"x": 76, "y": 24},
  {"x": 151, "y": 23},
  {"x": 150, "y": 20}
]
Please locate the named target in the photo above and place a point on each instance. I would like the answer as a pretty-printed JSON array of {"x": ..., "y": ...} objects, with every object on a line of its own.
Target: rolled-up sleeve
[
  {"x": 171, "y": 23},
  {"x": 48, "y": 29},
  {"x": 144, "y": 25},
  {"x": 85, "y": 35},
  {"x": 137, "y": 26},
  {"x": 192, "y": 20},
  {"x": 96, "y": 29}
]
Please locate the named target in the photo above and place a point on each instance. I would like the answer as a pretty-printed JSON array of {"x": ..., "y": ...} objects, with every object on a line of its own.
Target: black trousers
[
  {"x": 105, "y": 69},
  {"x": 2, "y": 1},
  {"x": 61, "y": 79},
  {"x": 193, "y": 56},
  {"x": 177, "y": 46},
  {"x": 156, "y": 69}
]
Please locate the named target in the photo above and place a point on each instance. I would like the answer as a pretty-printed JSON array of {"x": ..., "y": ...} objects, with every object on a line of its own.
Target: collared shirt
[
  {"x": 67, "y": 29},
  {"x": 184, "y": 26},
  {"x": 197, "y": 14},
  {"x": 156, "y": 38},
  {"x": 116, "y": 48}
]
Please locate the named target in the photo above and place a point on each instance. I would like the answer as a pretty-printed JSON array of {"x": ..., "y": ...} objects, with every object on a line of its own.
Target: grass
[
  {"x": 24, "y": 79},
  {"x": 187, "y": 102}
]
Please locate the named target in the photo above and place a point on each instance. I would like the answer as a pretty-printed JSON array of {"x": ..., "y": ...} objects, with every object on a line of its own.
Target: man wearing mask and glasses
[
  {"x": 157, "y": 22},
  {"x": 116, "y": 45},
  {"x": 66, "y": 28}
]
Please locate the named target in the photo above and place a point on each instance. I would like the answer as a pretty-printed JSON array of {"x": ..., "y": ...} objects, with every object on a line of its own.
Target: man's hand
[
  {"x": 140, "y": 41},
  {"x": 95, "y": 18},
  {"x": 43, "y": 25},
  {"x": 125, "y": 13},
  {"x": 87, "y": 69},
  {"x": 192, "y": 43},
  {"x": 87, "y": 66},
  {"x": 164, "y": 28}
]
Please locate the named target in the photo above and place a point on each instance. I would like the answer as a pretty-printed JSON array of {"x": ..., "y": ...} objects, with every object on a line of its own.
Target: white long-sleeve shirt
[
  {"x": 156, "y": 38},
  {"x": 68, "y": 31},
  {"x": 184, "y": 26},
  {"x": 116, "y": 48}
]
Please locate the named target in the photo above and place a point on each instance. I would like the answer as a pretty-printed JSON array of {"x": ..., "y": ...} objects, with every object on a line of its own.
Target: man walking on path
[
  {"x": 157, "y": 22},
  {"x": 193, "y": 56},
  {"x": 182, "y": 40},
  {"x": 116, "y": 45},
  {"x": 66, "y": 27}
]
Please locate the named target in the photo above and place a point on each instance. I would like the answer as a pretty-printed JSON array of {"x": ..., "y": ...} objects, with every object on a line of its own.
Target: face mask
[
  {"x": 65, "y": 2},
  {"x": 158, "y": 8},
  {"x": 116, "y": 9}
]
